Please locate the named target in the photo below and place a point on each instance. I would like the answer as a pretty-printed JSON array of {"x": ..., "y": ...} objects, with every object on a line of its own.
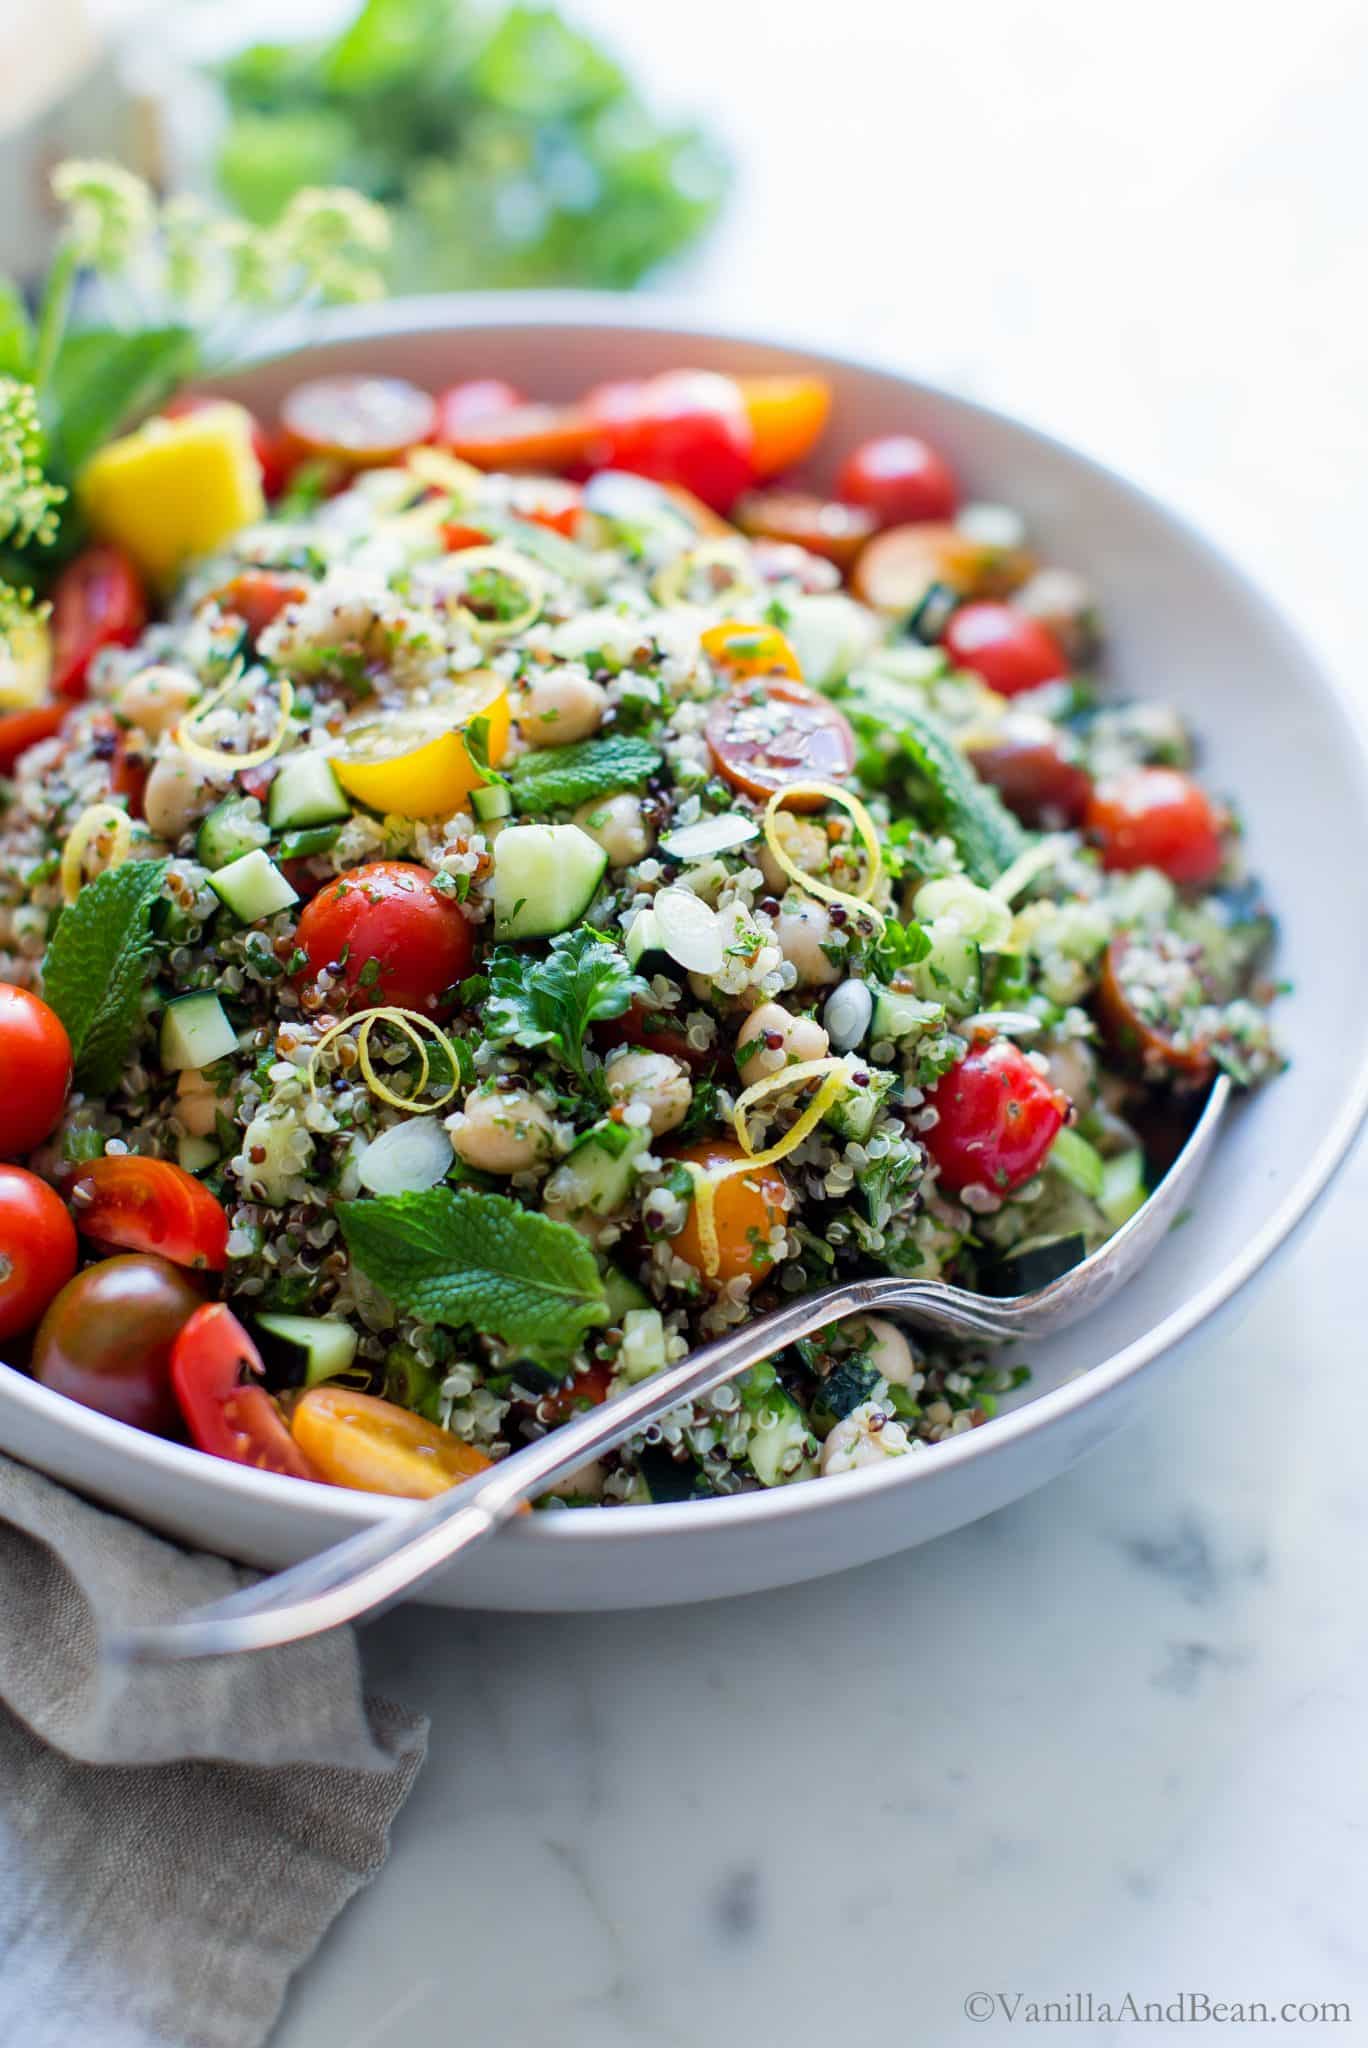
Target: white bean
[
  {"x": 178, "y": 791},
  {"x": 561, "y": 706},
  {"x": 864, "y": 1437},
  {"x": 196, "y": 1104},
  {"x": 616, "y": 823},
  {"x": 889, "y": 1352},
  {"x": 156, "y": 699},
  {"x": 501, "y": 1133},
  {"x": 802, "y": 929},
  {"x": 800, "y": 1038},
  {"x": 655, "y": 1081},
  {"x": 806, "y": 845}
]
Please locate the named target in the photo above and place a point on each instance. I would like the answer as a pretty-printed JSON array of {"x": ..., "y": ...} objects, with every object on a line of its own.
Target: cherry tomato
[
  {"x": 390, "y": 913},
  {"x": 1156, "y": 818},
  {"x": 98, "y": 602},
  {"x": 481, "y": 398},
  {"x": 20, "y": 730},
  {"x": 149, "y": 1205},
  {"x": 687, "y": 427},
  {"x": 214, "y": 1365},
  {"x": 823, "y": 526},
  {"x": 266, "y": 448},
  {"x": 742, "y": 651},
  {"x": 772, "y": 733},
  {"x": 1142, "y": 1041},
  {"x": 545, "y": 501},
  {"x": 585, "y": 1390},
  {"x": 35, "y": 1070},
  {"x": 1029, "y": 765},
  {"x": 787, "y": 415},
  {"x": 129, "y": 767},
  {"x": 1008, "y": 648},
  {"x": 106, "y": 1340},
  {"x": 258, "y": 597},
  {"x": 37, "y": 1249},
  {"x": 656, "y": 1031},
  {"x": 899, "y": 566},
  {"x": 746, "y": 1207},
  {"x": 543, "y": 437},
  {"x": 998, "y": 1119},
  {"x": 365, "y": 422},
  {"x": 900, "y": 479},
  {"x": 358, "y": 1440}
]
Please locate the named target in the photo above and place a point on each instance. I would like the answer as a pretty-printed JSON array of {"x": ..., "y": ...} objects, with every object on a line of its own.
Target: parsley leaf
[
  {"x": 553, "y": 777},
  {"x": 552, "y": 1002},
  {"x": 96, "y": 965},
  {"x": 987, "y": 835},
  {"x": 454, "y": 1256},
  {"x": 898, "y": 945}
]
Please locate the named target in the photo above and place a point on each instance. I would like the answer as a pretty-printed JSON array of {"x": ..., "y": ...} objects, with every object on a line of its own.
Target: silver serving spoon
[{"x": 369, "y": 1570}]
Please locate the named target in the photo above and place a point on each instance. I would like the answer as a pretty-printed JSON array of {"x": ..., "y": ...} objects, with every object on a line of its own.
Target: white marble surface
[{"x": 1109, "y": 1740}]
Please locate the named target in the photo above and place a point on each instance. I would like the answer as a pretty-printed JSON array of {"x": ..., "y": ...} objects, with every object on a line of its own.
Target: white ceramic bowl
[{"x": 1183, "y": 624}]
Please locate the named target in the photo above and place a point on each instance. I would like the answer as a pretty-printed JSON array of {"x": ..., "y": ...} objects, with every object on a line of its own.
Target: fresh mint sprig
[{"x": 96, "y": 967}]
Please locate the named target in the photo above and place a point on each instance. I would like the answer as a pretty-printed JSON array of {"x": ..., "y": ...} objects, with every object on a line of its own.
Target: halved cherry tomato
[
  {"x": 364, "y": 422},
  {"x": 20, "y": 730},
  {"x": 767, "y": 734},
  {"x": 742, "y": 650},
  {"x": 899, "y": 566},
  {"x": 266, "y": 448},
  {"x": 824, "y": 526},
  {"x": 149, "y": 1205},
  {"x": 214, "y": 1365},
  {"x": 787, "y": 415},
  {"x": 1141, "y": 1041},
  {"x": 388, "y": 912},
  {"x": 37, "y": 1249},
  {"x": 1009, "y": 649},
  {"x": 481, "y": 398},
  {"x": 585, "y": 1390},
  {"x": 360, "y": 1441},
  {"x": 746, "y": 1207},
  {"x": 106, "y": 1340},
  {"x": 1029, "y": 765},
  {"x": 656, "y": 1031},
  {"x": 998, "y": 1119},
  {"x": 98, "y": 602},
  {"x": 35, "y": 1070},
  {"x": 545, "y": 437},
  {"x": 686, "y": 427},
  {"x": 1156, "y": 818},
  {"x": 900, "y": 479},
  {"x": 258, "y": 597}
]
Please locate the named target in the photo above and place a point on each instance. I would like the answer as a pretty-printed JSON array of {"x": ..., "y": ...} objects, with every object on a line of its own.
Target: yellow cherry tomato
[
  {"x": 414, "y": 762},
  {"x": 742, "y": 650},
  {"x": 787, "y": 415},
  {"x": 356, "y": 1440}
]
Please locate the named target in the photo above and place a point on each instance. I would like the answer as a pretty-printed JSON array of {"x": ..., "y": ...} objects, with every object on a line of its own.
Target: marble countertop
[{"x": 1107, "y": 1741}]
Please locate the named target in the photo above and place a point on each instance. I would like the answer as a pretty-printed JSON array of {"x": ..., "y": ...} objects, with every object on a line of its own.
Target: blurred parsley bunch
[{"x": 512, "y": 151}]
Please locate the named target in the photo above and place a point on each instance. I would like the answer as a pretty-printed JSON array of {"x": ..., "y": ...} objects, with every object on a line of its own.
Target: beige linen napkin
[{"x": 173, "y": 1844}]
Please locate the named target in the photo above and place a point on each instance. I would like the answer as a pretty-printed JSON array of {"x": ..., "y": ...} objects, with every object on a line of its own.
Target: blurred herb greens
[{"x": 511, "y": 150}]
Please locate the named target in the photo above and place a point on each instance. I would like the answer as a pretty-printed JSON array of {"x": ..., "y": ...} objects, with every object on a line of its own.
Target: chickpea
[
  {"x": 196, "y": 1104},
  {"x": 889, "y": 1353},
  {"x": 498, "y": 1133},
  {"x": 1073, "y": 1067},
  {"x": 802, "y": 929},
  {"x": 618, "y": 826},
  {"x": 806, "y": 845},
  {"x": 561, "y": 706},
  {"x": 800, "y": 1038},
  {"x": 178, "y": 792},
  {"x": 156, "y": 699},
  {"x": 864, "y": 1437},
  {"x": 656, "y": 1081}
]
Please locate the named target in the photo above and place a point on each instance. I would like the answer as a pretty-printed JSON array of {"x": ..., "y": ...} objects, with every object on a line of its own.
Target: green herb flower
[
  {"x": 110, "y": 212},
  {"x": 28, "y": 500}
]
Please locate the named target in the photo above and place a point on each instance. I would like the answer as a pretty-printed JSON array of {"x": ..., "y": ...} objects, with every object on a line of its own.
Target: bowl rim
[{"x": 606, "y": 310}]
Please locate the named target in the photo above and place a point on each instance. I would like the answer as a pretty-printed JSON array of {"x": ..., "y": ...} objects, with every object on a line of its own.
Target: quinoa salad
[{"x": 493, "y": 895}]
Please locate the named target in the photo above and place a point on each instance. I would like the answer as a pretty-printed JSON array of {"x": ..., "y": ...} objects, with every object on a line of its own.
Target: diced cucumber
[
  {"x": 195, "y": 1154},
  {"x": 644, "y": 948},
  {"x": 253, "y": 887},
  {"x": 980, "y": 914},
  {"x": 830, "y": 634},
  {"x": 598, "y": 1174},
  {"x": 231, "y": 829},
  {"x": 307, "y": 1349},
  {"x": 195, "y": 1032},
  {"x": 710, "y": 835},
  {"x": 622, "y": 1293},
  {"x": 545, "y": 878},
  {"x": 643, "y": 1344},
  {"x": 491, "y": 800},
  {"x": 1079, "y": 1162},
  {"x": 312, "y": 840},
  {"x": 853, "y": 1115},
  {"x": 898, "y": 1015},
  {"x": 1123, "y": 1188},
  {"x": 952, "y": 972},
  {"x": 781, "y": 1446},
  {"x": 305, "y": 792}
]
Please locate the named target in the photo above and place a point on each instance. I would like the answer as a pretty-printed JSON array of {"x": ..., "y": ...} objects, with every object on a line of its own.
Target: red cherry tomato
[
  {"x": 656, "y": 1031},
  {"x": 1133, "y": 1023},
  {"x": 214, "y": 1365},
  {"x": 586, "y": 1390},
  {"x": 823, "y": 526},
  {"x": 482, "y": 398},
  {"x": 106, "y": 1340},
  {"x": 1030, "y": 766},
  {"x": 1156, "y": 818},
  {"x": 687, "y": 427},
  {"x": 98, "y": 602},
  {"x": 1009, "y": 649},
  {"x": 772, "y": 732},
  {"x": 388, "y": 912},
  {"x": 270, "y": 459},
  {"x": 363, "y": 422},
  {"x": 37, "y": 1249},
  {"x": 998, "y": 1119},
  {"x": 258, "y": 597},
  {"x": 20, "y": 730},
  {"x": 900, "y": 479},
  {"x": 149, "y": 1205},
  {"x": 35, "y": 1070}
]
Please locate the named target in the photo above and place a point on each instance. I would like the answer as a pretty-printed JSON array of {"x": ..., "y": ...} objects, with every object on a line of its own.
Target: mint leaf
[
  {"x": 102, "y": 377},
  {"x": 583, "y": 980},
  {"x": 987, "y": 835},
  {"x": 555, "y": 777},
  {"x": 96, "y": 966},
  {"x": 454, "y": 1256}
]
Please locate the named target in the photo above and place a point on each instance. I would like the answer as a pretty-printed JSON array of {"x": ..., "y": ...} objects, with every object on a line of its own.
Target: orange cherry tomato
[
  {"x": 742, "y": 650},
  {"x": 37, "y": 1249},
  {"x": 1157, "y": 818},
  {"x": 20, "y": 730},
  {"x": 388, "y": 913},
  {"x": 1142, "y": 1040},
  {"x": 787, "y": 415},
  {"x": 480, "y": 398},
  {"x": 214, "y": 1370},
  {"x": 258, "y": 597},
  {"x": 149, "y": 1205},
  {"x": 35, "y": 1070},
  {"x": 899, "y": 566},
  {"x": 548, "y": 437},
  {"x": 767, "y": 734},
  {"x": 364, "y": 422},
  {"x": 824, "y": 526},
  {"x": 375, "y": 1446},
  {"x": 746, "y": 1207}
]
